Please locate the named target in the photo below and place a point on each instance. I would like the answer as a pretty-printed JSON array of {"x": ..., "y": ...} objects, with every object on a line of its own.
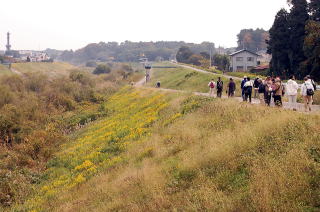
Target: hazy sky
[{"x": 71, "y": 24}]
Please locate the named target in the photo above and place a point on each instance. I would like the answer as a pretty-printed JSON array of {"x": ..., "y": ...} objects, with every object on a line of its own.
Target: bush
[{"x": 102, "y": 69}]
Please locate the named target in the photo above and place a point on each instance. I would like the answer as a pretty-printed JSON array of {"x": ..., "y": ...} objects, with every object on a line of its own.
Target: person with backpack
[
  {"x": 307, "y": 91},
  {"x": 312, "y": 82},
  {"x": 242, "y": 87},
  {"x": 248, "y": 90},
  {"x": 292, "y": 91},
  {"x": 211, "y": 85},
  {"x": 219, "y": 87},
  {"x": 261, "y": 92},
  {"x": 278, "y": 92},
  {"x": 268, "y": 90},
  {"x": 256, "y": 84},
  {"x": 231, "y": 88}
]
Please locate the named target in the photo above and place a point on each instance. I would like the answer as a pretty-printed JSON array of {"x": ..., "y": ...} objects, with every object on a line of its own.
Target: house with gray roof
[{"x": 243, "y": 61}]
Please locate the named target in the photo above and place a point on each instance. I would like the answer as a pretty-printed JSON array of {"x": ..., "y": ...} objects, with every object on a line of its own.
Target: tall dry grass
[{"x": 220, "y": 157}]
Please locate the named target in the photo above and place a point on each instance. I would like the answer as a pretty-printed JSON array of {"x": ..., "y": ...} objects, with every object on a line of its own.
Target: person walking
[
  {"x": 268, "y": 90},
  {"x": 231, "y": 88},
  {"x": 307, "y": 91},
  {"x": 219, "y": 87},
  {"x": 292, "y": 91},
  {"x": 211, "y": 86},
  {"x": 261, "y": 92},
  {"x": 256, "y": 84},
  {"x": 242, "y": 86},
  {"x": 248, "y": 90},
  {"x": 277, "y": 92}
]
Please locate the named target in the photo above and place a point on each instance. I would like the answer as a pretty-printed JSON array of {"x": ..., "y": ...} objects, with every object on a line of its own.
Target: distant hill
[{"x": 130, "y": 51}]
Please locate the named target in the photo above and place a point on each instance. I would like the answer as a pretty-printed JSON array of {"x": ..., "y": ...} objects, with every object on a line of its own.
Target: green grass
[{"x": 186, "y": 79}]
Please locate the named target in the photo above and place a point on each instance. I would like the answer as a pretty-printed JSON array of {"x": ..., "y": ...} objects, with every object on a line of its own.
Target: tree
[
  {"x": 314, "y": 9},
  {"x": 297, "y": 20},
  {"x": 195, "y": 59},
  {"x": 183, "y": 55},
  {"x": 253, "y": 40},
  {"x": 221, "y": 61},
  {"x": 102, "y": 69},
  {"x": 205, "y": 55},
  {"x": 278, "y": 45},
  {"x": 312, "y": 49}
]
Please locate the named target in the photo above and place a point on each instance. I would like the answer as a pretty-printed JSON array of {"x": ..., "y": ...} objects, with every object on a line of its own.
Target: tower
[{"x": 8, "y": 46}]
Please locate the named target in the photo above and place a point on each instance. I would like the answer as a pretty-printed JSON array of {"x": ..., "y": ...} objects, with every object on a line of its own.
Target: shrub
[{"x": 102, "y": 69}]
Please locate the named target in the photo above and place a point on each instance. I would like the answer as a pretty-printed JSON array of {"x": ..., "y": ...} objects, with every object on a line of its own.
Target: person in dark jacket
[
  {"x": 231, "y": 88},
  {"x": 219, "y": 87},
  {"x": 261, "y": 92},
  {"x": 256, "y": 84},
  {"x": 242, "y": 86}
]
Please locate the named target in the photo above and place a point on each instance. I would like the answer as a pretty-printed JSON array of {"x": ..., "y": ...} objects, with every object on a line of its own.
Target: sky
[{"x": 72, "y": 24}]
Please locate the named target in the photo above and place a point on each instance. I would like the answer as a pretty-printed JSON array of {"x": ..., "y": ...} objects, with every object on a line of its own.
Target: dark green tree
[
  {"x": 312, "y": 50},
  {"x": 183, "y": 55},
  {"x": 102, "y": 69},
  {"x": 278, "y": 45},
  {"x": 314, "y": 9},
  {"x": 297, "y": 20}
]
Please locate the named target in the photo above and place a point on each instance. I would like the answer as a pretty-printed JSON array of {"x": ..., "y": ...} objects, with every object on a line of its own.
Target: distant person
[
  {"x": 231, "y": 88},
  {"x": 307, "y": 91},
  {"x": 261, "y": 92},
  {"x": 158, "y": 84},
  {"x": 248, "y": 90},
  {"x": 256, "y": 84},
  {"x": 242, "y": 87},
  {"x": 219, "y": 87},
  {"x": 211, "y": 85},
  {"x": 268, "y": 90},
  {"x": 277, "y": 92},
  {"x": 292, "y": 91}
]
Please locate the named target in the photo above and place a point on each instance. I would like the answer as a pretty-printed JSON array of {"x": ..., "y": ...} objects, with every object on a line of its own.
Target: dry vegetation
[
  {"x": 38, "y": 112},
  {"x": 206, "y": 155}
]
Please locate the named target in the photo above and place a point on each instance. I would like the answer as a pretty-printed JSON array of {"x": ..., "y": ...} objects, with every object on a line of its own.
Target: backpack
[
  {"x": 310, "y": 92},
  {"x": 211, "y": 85},
  {"x": 248, "y": 90},
  {"x": 283, "y": 89}
]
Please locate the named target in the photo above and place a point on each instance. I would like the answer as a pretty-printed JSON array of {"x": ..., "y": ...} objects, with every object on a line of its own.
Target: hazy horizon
[{"x": 74, "y": 24}]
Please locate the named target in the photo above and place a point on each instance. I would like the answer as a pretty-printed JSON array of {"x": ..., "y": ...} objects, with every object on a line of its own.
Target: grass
[
  {"x": 4, "y": 70},
  {"x": 186, "y": 79},
  {"x": 53, "y": 69},
  {"x": 200, "y": 155}
]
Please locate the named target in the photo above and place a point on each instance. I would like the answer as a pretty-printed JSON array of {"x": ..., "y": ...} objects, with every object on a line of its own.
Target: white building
[{"x": 243, "y": 60}]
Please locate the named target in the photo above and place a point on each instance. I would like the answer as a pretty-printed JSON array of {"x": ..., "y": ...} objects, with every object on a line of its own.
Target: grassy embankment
[
  {"x": 54, "y": 69},
  {"x": 186, "y": 79},
  {"x": 4, "y": 70},
  {"x": 179, "y": 153}
]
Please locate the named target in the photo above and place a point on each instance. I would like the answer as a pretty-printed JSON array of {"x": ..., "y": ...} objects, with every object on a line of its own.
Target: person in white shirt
[
  {"x": 211, "y": 85},
  {"x": 292, "y": 91},
  {"x": 248, "y": 85},
  {"x": 307, "y": 91}
]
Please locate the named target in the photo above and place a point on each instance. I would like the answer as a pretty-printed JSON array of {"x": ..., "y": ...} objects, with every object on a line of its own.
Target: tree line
[
  {"x": 295, "y": 40},
  {"x": 186, "y": 55},
  {"x": 130, "y": 51}
]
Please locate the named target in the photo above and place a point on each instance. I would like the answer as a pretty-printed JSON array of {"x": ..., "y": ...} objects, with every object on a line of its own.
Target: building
[{"x": 243, "y": 60}]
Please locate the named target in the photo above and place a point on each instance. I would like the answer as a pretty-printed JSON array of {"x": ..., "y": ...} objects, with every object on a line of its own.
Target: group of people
[{"x": 269, "y": 90}]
